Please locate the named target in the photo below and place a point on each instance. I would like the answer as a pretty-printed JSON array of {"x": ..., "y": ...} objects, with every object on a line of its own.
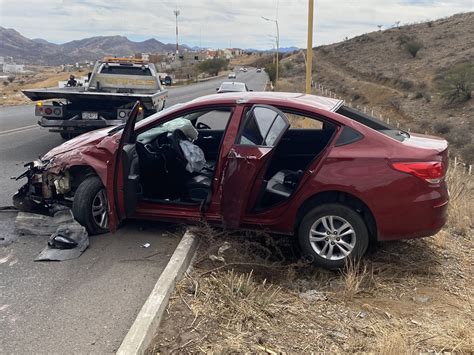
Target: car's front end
[{"x": 54, "y": 178}]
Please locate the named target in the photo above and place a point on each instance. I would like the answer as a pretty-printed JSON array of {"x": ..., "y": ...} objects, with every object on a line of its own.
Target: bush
[
  {"x": 413, "y": 46},
  {"x": 213, "y": 66},
  {"x": 457, "y": 83},
  {"x": 288, "y": 65},
  {"x": 442, "y": 127},
  {"x": 6, "y": 83},
  {"x": 270, "y": 69},
  {"x": 11, "y": 78}
]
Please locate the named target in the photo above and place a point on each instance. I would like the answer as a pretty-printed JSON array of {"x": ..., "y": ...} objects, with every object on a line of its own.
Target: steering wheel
[
  {"x": 176, "y": 137},
  {"x": 202, "y": 125}
]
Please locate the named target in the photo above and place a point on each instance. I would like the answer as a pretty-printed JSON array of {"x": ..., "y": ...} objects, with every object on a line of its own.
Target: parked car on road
[
  {"x": 259, "y": 70},
  {"x": 232, "y": 75},
  {"x": 307, "y": 166},
  {"x": 232, "y": 86}
]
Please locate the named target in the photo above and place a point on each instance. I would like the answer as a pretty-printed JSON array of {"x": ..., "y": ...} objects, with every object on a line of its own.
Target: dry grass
[
  {"x": 461, "y": 211},
  {"x": 45, "y": 77},
  {"x": 250, "y": 293}
]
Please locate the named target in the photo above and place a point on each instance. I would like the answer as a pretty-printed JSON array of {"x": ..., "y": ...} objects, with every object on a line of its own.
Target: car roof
[{"x": 272, "y": 98}]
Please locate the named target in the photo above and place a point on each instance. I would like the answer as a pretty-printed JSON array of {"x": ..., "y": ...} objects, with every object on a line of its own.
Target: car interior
[
  {"x": 176, "y": 160},
  {"x": 165, "y": 171},
  {"x": 303, "y": 142}
]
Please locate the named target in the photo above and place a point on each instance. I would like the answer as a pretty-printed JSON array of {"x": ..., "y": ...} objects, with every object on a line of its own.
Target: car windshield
[
  {"x": 232, "y": 87},
  {"x": 373, "y": 123}
]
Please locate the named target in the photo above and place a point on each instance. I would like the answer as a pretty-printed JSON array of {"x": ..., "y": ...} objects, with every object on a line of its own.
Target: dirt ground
[
  {"x": 40, "y": 77},
  {"x": 250, "y": 293}
]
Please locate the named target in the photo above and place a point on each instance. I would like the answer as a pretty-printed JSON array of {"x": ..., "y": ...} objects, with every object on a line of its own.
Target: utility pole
[
  {"x": 277, "y": 44},
  {"x": 176, "y": 13},
  {"x": 309, "y": 50}
]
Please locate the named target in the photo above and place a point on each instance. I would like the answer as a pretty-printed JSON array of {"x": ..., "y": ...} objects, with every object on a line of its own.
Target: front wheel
[
  {"x": 332, "y": 233},
  {"x": 90, "y": 206}
]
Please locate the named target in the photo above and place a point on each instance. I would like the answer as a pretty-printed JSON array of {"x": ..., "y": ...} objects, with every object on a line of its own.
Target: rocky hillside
[
  {"x": 40, "y": 51},
  {"x": 421, "y": 75}
]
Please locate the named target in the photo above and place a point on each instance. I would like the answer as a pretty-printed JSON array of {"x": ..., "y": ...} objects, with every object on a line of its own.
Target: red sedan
[{"x": 309, "y": 166}]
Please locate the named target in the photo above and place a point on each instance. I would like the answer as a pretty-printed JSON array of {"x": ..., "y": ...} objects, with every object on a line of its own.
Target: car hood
[{"x": 86, "y": 139}]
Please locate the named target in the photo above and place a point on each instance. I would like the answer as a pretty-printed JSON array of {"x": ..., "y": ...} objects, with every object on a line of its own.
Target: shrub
[
  {"x": 413, "y": 46},
  {"x": 288, "y": 65},
  {"x": 270, "y": 69},
  {"x": 213, "y": 66},
  {"x": 11, "y": 78},
  {"x": 6, "y": 83},
  {"x": 442, "y": 127},
  {"x": 457, "y": 83}
]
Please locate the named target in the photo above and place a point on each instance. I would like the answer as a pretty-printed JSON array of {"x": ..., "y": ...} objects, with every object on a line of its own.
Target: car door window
[{"x": 263, "y": 126}]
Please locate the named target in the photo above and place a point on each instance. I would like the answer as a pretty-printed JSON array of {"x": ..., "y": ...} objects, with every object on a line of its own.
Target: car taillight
[
  {"x": 430, "y": 171},
  {"x": 48, "y": 110}
]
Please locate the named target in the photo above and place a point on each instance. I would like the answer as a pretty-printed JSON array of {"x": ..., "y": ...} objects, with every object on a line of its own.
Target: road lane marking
[{"x": 20, "y": 129}]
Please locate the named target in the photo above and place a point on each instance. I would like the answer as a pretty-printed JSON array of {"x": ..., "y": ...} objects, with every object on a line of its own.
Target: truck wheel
[
  {"x": 90, "y": 206},
  {"x": 66, "y": 136},
  {"x": 330, "y": 234}
]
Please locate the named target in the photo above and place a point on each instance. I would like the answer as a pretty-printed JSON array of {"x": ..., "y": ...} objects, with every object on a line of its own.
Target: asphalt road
[{"x": 84, "y": 305}]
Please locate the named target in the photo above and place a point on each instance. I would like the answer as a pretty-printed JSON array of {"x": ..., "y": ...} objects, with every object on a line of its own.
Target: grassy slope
[{"x": 374, "y": 70}]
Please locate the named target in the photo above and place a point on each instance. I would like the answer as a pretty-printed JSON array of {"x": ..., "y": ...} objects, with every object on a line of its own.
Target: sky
[{"x": 217, "y": 23}]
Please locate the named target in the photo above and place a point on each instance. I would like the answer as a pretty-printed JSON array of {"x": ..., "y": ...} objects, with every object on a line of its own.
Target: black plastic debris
[{"x": 68, "y": 242}]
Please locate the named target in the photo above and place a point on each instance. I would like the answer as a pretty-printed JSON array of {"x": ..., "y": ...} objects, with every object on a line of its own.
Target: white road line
[{"x": 15, "y": 130}]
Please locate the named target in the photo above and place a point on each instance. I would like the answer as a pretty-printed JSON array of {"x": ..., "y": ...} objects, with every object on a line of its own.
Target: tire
[
  {"x": 316, "y": 246},
  {"x": 90, "y": 197},
  {"x": 66, "y": 136}
]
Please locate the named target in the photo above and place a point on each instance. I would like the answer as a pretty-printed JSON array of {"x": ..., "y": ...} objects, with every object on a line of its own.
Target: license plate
[{"x": 90, "y": 115}]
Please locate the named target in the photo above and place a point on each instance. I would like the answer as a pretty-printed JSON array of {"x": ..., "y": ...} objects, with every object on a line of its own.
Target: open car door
[
  {"x": 261, "y": 131},
  {"x": 124, "y": 175}
]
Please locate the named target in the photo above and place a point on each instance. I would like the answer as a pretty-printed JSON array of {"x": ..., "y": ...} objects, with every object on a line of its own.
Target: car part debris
[
  {"x": 60, "y": 241},
  {"x": 146, "y": 245},
  {"x": 64, "y": 237},
  {"x": 37, "y": 224}
]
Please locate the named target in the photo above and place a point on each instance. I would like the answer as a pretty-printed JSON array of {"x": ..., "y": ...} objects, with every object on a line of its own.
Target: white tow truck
[{"x": 114, "y": 85}]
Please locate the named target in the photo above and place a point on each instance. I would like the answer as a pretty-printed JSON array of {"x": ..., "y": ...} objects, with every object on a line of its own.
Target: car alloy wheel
[
  {"x": 99, "y": 209},
  {"x": 331, "y": 233},
  {"x": 332, "y": 237}
]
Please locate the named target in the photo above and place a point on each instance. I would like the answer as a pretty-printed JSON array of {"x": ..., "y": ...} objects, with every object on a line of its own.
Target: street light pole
[
  {"x": 277, "y": 44},
  {"x": 309, "y": 50},
  {"x": 176, "y": 13}
]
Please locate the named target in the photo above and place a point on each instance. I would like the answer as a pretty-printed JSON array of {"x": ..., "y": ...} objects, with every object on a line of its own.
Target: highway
[{"x": 84, "y": 305}]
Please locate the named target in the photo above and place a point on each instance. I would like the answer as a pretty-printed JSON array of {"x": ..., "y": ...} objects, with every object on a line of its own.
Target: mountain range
[{"x": 40, "y": 51}]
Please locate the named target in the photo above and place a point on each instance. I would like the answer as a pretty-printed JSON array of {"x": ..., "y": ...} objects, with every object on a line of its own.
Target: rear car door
[{"x": 261, "y": 130}]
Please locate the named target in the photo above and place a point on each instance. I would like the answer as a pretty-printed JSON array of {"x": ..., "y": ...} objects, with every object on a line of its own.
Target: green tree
[
  {"x": 270, "y": 69},
  {"x": 213, "y": 66},
  {"x": 457, "y": 83}
]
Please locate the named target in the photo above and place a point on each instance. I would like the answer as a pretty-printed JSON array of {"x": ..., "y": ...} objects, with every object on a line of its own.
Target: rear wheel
[
  {"x": 331, "y": 234},
  {"x": 66, "y": 135},
  {"x": 90, "y": 206}
]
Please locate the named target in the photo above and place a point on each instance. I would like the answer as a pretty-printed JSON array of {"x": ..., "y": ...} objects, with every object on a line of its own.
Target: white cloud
[{"x": 216, "y": 23}]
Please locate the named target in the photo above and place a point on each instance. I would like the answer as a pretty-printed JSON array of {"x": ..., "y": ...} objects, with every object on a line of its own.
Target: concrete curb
[{"x": 148, "y": 319}]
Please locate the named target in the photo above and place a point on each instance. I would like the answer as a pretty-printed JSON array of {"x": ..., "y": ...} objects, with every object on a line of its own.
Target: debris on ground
[
  {"x": 58, "y": 250},
  {"x": 28, "y": 223},
  {"x": 313, "y": 296}
]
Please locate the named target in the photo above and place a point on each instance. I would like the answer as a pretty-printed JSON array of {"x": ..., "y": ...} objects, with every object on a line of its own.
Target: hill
[
  {"x": 39, "y": 51},
  {"x": 378, "y": 71}
]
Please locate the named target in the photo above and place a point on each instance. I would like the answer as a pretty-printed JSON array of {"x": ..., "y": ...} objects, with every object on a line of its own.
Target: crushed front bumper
[{"x": 43, "y": 189}]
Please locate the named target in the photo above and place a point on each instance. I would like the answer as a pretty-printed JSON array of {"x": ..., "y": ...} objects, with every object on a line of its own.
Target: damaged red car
[{"x": 302, "y": 165}]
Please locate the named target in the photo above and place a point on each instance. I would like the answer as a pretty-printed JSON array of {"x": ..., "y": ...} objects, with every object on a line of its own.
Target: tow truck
[{"x": 114, "y": 86}]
